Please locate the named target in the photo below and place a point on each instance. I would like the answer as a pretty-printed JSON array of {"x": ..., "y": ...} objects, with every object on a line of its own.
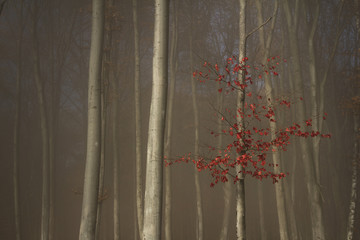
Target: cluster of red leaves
[{"x": 249, "y": 145}]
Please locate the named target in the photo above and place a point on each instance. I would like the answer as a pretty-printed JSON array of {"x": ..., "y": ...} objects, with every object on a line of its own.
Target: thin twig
[{"x": 257, "y": 28}]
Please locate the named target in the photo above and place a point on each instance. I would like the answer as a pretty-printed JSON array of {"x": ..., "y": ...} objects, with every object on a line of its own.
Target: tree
[
  {"x": 92, "y": 167},
  {"x": 354, "y": 105},
  {"x": 154, "y": 163},
  {"x": 44, "y": 125},
  {"x": 138, "y": 151},
  {"x": 240, "y": 185},
  {"x": 279, "y": 188},
  {"x": 313, "y": 187},
  {"x": 199, "y": 210},
  {"x": 169, "y": 118},
  {"x": 248, "y": 143},
  {"x": 16, "y": 132}
]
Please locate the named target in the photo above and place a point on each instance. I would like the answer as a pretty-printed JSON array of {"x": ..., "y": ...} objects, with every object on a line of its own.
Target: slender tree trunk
[
  {"x": 199, "y": 211},
  {"x": 116, "y": 169},
  {"x": 154, "y": 166},
  {"x": 279, "y": 187},
  {"x": 227, "y": 187},
  {"x": 45, "y": 206},
  {"x": 314, "y": 88},
  {"x": 356, "y": 153},
  {"x": 138, "y": 151},
  {"x": 240, "y": 185},
  {"x": 92, "y": 166},
  {"x": 106, "y": 68},
  {"x": 261, "y": 211},
  {"x": 16, "y": 132},
  {"x": 102, "y": 149},
  {"x": 313, "y": 188},
  {"x": 173, "y": 68},
  {"x": 355, "y": 165}
]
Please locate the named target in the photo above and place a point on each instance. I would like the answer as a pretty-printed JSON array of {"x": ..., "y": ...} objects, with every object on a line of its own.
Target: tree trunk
[
  {"x": 116, "y": 176},
  {"x": 45, "y": 206},
  {"x": 16, "y": 131},
  {"x": 155, "y": 151},
  {"x": 226, "y": 186},
  {"x": 313, "y": 188},
  {"x": 173, "y": 68},
  {"x": 106, "y": 68},
  {"x": 199, "y": 212},
  {"x": 92, "y": 166},
  {"x": 279, "y": 187},
  {"x": 240, "y": 185},
  {"x": 138, "y": 151},
  {"x": 355, "y": 165},
  {"x": 356, "y": 154}
]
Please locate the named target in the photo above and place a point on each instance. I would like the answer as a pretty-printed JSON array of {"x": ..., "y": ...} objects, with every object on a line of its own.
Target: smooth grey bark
[
  {"x": 104, "y": 119},
  {"x": 155, "y": 150},
  {"x": 263, "y": 233},
  {"x": 313, "y": 188},
  {"x": 279, "y": 187},
  {"x": 314, "y": 88},
  {"x": 169, "y": 120},
  {"x": 227, "y": 187},
  {"x": 240, "y": 185},
  {"x": 116, "y": 176},
  {"x": 92, "y": 165},
  {"x": 16, "y": 131},
  {"x": 199, "y": 211},
  {"x": 356, "y": 152},
  {"x": 355, "y": 165},
  {"x": 138, "y": 150},
  {"x": 45, "y": 204},
  {"x": 317, "y": 87}
]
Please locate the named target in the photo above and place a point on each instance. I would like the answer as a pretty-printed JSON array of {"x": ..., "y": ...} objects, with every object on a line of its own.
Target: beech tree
[
  {"x": 16, "y": 132},
  {"x": 92, "y": 166},
  {"x": 154, "y": 163},
  {"x": 169, "y": 118},
  {"x": 44, "y": 125},
  {"x": 248, "y": 143},
  {"x": 137, "y": 94}
]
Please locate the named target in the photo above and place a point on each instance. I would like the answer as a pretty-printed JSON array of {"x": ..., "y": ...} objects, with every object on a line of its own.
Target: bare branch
[{"x": 257, "y": 28}]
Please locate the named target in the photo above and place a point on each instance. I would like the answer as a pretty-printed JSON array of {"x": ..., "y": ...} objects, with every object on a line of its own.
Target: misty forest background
[{"x": 44, "y": 68}]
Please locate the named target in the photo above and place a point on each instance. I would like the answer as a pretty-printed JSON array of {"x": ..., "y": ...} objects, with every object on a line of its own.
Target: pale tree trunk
[
  {"x": 289, "y": 185},
  {"x": 313, "y": 188},
  {"x": 138, "y": 151},
  {"x": 317, "y": 90},
  {"x": 356, "y": 153},
  {"x": 314, "y": 89},
  {"x": 155, "y": 150},
  {"x": 355, "y": 165},
  {"x": 169, "y": 120},
  {"x": 16, "y": 132},
  {"x": 227, "y": 187},
  {"x": 240, "y": 185},
  {"x": 106, "y": 68},
  {"x": 116, "y": 176},
  {"x": 279, "y": 187},
  {"x": 115, "y": 147},
  {"x": 92, "y": 166},
  {"x": 263, "y": 233},
  {"x": 45, "y": 206},
  {"x": 199, "y": 211}
]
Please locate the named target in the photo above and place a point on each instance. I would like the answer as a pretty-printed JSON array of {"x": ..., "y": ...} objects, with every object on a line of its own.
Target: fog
[{"x": 44, "y": 68}]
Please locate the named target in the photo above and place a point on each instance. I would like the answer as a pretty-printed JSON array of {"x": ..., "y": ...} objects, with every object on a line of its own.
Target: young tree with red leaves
[{"x": 248, "y": 141}]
